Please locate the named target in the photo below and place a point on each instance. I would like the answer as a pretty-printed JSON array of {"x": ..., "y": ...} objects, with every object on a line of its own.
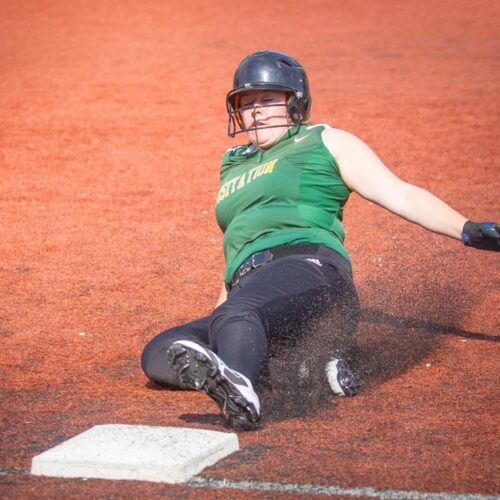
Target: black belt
[{"x": 259, "y": 259}]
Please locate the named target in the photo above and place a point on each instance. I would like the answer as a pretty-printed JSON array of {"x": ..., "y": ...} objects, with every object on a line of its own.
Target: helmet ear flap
[
  {"x": 294, "y": 109},
  {"x": 295, "y": 114}
]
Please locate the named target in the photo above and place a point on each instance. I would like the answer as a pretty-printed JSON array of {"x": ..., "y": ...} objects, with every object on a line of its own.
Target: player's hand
[{"x": 482, "y": 235}]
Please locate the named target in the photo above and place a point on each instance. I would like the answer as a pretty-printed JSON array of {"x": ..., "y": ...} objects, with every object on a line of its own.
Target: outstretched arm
[{"x": 364, "y": 173}]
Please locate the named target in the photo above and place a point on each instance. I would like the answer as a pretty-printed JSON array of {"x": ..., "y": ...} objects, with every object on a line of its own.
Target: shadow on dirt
[
  {"x": 382, "y": 318},
  {"x": 392, "y": 344},
  {"x": 157, "y": 387},
  {"x": 207, "y": 418}
]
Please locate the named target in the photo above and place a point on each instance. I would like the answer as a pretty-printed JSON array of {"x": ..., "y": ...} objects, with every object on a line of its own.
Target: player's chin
[
  {"x": 254, "y": 137},
  {"x": 262, "y": 138}
]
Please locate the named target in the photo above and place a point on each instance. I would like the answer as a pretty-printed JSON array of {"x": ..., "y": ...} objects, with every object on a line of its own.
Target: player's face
[{"x": 264, "y": 108}]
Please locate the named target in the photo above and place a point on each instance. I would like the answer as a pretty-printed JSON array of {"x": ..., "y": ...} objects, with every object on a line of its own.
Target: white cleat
[
  {"x": 342, "y": 381},
  {"x": 201, "y": 369}
]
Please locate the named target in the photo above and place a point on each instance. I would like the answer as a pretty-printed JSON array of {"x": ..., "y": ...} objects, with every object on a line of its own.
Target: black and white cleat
[
  {"x": 199, "y": 368},
  {"x": 341, "y": 379}
]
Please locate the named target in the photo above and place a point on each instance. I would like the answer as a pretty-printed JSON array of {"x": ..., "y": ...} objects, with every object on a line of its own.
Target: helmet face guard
[
  {"x": 269, "y": 70},
  {"x": 236, "y": 124}
]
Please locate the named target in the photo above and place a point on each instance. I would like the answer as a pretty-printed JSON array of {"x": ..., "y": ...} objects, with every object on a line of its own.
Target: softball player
[{"x": 280, "y": 206}]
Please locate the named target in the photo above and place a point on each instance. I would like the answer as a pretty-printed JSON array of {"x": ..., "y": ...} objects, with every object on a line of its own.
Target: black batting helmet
[{"x": 270, "y": 70}]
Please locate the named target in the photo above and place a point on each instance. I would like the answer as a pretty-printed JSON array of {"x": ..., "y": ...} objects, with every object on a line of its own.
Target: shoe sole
[{"x": 200, "y": 372}]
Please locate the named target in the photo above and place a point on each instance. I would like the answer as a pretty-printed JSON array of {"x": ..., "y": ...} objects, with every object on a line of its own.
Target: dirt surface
[{"x": 113, "y": 122}]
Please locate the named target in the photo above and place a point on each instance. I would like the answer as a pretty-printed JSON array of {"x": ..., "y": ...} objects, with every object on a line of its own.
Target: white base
[{"x": 146, "y": 453}]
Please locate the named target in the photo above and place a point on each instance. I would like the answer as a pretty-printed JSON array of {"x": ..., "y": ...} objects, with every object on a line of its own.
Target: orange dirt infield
[{"x": 112, "y": 126}]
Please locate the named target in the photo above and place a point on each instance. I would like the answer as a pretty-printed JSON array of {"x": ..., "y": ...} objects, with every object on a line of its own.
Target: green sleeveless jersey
[{"x": 289, "y": 194}]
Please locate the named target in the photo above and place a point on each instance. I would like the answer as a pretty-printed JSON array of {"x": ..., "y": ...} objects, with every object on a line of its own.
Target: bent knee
[{"x": 154, "y": 358}]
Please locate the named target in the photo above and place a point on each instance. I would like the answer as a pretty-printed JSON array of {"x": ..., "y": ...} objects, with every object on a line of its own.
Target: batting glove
[{"x": 482, "y": 235}]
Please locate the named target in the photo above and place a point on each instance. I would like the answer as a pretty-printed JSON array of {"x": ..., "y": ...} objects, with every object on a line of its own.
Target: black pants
[{"x": 281, "y": 305}]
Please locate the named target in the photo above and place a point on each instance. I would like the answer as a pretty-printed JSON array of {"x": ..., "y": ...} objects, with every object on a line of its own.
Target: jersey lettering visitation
[{"x": 241, "y": 181}]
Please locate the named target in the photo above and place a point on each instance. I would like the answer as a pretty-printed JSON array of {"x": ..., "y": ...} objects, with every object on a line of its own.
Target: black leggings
[{"x": 276, "y": 304}]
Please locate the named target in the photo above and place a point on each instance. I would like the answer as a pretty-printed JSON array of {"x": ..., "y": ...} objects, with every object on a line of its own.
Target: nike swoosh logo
[{"x": 298, "y": 139}]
